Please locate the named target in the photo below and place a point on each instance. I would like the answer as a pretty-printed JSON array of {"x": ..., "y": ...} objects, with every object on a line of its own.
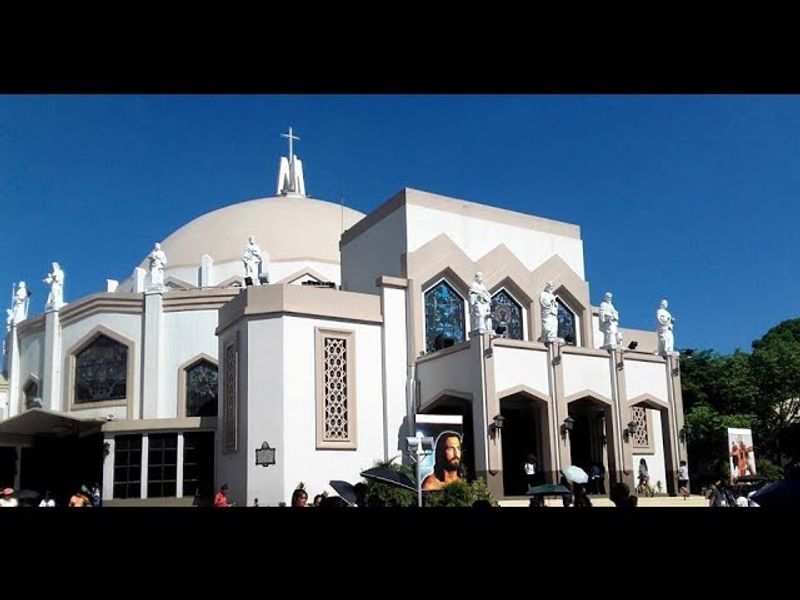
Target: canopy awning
[{"x": 38, "y": 421}]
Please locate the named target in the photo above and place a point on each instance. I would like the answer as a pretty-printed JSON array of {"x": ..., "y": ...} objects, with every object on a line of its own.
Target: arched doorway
[
  {"x": 525, "y": 432},
  {"x": 589, "y": 439}
]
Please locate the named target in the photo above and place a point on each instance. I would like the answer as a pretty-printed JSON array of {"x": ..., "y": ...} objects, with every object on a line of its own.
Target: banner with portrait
[
  {"x": 444, "y": 465},
  {"x": 740, "y": 453}
]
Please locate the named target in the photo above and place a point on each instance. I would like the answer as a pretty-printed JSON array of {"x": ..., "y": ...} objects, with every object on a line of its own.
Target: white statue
[
  {"x": 549, "y": 308},
  {"x": 664, "y": 323},
  {"x": 253, "y": 257},
  {"x": 480, "y": 305},
  {"x": 21, "y": 303},
  {"x": 158, "y": 260},
  {"x": 55, "y": 279},
  {"x": 609, "y": 323}
]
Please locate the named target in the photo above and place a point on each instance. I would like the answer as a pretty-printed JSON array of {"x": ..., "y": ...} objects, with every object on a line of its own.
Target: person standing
[
  {"x": 683, "y": 480},
  {"x": 530, "y": 468},
  {"x": 221, "y": 499}
]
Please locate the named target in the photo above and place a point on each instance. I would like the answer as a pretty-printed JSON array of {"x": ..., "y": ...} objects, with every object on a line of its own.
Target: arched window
[
  {"x": 444, "y": 317},
  {"x": 567, "y": 329},
  {"x": 31, "y": 392},
  {"x": 506, "y": 310},
  {"x": 101, "y": 371},
  {"x": 201, "y": 389}
]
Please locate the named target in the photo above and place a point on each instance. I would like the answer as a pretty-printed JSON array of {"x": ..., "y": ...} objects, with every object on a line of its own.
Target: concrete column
[
  {"x": 480, "y": 417},
  {"x": 393, "y": 353},
  {"x": 152, "y": 351},
  {"x": 560, "y": 451},
  {"x": 206, "y": 271},
  {"x": 623, "y": 443},
  {"x": 12, "y": 352},
  {"x": 108, "y": 468},
  {"x": 18, "y": 467},
  {"x": 139, "y": 279},
  {"x": 51, "y": 376},
  {"x": 674, "y": 448},
  {"x": 145, "y": 464},
  {"x": 179, "y": 476}
]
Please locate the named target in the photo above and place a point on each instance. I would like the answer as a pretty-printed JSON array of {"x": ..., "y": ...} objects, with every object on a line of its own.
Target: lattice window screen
[{"x": 641, "y": 437}]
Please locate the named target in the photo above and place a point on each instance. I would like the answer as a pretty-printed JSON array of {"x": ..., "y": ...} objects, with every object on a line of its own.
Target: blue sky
[{"x": 690, "y": 197}]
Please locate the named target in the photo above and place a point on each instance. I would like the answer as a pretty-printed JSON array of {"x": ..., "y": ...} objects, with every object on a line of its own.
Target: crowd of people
[{"x": 82, "y": 498}]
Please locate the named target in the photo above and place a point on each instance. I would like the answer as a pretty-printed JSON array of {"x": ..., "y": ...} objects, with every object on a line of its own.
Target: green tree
[{"x": 776, "y": 362}]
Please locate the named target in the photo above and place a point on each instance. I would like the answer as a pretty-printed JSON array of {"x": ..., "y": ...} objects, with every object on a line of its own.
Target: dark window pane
[
  {"x": 505, "y": 310},
  {"x": 201, "y": 390},
  {"x": 101, "y": 371},
  {"x": 566, "y": 323},
  {"x": 444, "y": 316},
  {"x": 127, "y": 466},
  {"x": 198, "y": 463}
]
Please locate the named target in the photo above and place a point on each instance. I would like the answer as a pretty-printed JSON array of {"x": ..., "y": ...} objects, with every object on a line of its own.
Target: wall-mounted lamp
[
  {"x": 630, "y": 429},
  {"x": 567, "y": 426},
  {"x": 556, "y": 360},
  {"x": 676, "y": 371},
  {"x": 496, "y": 425},
  {"x": 633, "y": 345},
  {"x": 620, "y": 365},
  {"x": 684, "y": 433}
]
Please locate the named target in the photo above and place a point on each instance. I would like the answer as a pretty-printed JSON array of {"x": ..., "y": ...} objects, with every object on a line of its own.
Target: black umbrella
[
  {"x": 548, "y": 489},
  {"x": 345, "y": 490},
  {"x": 390, "y": 476},
  {"x": 779, "y": 494}
]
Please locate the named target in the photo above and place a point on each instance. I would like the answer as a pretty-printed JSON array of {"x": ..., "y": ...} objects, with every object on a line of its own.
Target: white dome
[{"x": 288, "y": 228}]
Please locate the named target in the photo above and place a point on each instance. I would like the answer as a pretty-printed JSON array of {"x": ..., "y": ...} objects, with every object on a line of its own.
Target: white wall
[
  {"x": 586, "y": 373},
  {"x": 31, "y": 355},
  {"x": 303, "y": 462},
  {"x": 477, "y": 237},
  {"x": 520, "y": 366},
  {"x": 4, "y": 404},
  {"x": 265, "y": 412},
  {"x": 597, "y": 334},
  {"x": 447, "y": 372},
  {"x": 645, "y": 378},
  {"x": 128, "y": 326},
  {"x": 186, "y": 334},
  {"x": 655, "y": 461},
  {"x": 375, "y": 252}
]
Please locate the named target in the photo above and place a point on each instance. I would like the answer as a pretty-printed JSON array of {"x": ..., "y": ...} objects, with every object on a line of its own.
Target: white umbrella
[{"x": 575, "y": 474}]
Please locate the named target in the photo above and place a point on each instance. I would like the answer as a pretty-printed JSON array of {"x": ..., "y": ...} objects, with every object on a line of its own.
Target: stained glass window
[
  {"x": 444, "y": 317},
  {"x": 506, "y": 310},
  {"x": 101, "y": 371},
  {"x": 566, "y": 324},
  {"x": 201, "y": 390}
]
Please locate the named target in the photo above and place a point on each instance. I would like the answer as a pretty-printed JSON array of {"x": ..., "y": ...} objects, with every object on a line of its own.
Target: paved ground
[{"x": 656, "y": 501}]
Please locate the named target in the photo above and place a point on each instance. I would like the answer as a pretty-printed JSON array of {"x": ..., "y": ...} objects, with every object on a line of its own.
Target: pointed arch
[
  {"x": 97, "y": 332},
  {"x": 183, "y": 409},
  {"x": 571, "y": 289}
]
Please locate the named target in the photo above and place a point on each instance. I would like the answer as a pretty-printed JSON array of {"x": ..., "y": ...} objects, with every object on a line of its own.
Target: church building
[{"x": 242, "y": 350}]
